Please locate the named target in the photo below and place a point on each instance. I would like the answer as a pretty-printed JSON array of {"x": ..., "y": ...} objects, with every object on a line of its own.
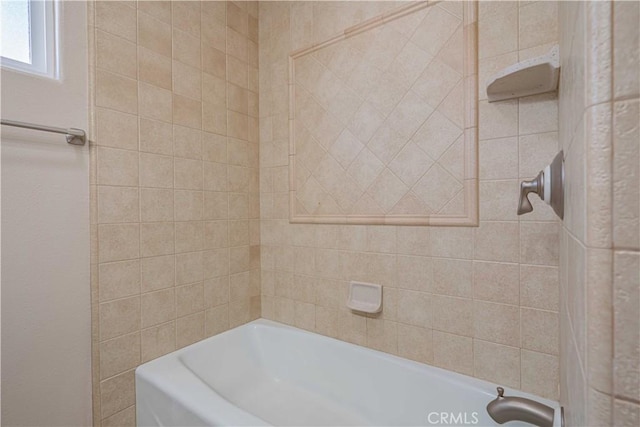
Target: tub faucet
[{"x": 503, "y": 409}]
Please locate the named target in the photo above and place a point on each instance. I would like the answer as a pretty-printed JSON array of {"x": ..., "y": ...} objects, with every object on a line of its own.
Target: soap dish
[{"x": 365, "y": 297}]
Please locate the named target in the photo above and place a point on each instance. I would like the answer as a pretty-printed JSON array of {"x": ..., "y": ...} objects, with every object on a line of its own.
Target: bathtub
[{"x": 266, "y": 373}]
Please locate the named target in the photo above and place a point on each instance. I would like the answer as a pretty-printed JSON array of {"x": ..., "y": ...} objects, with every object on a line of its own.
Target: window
[{"x": 28, "y": 36}]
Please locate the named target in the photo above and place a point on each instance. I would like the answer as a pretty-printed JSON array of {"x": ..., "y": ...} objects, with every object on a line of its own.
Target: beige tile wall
[
  {"x": 482, "y": 301},
  {"x": 175, "y": 210},
  {"x": 600, "y": 262},
  {"x": 382, "y": 136}
]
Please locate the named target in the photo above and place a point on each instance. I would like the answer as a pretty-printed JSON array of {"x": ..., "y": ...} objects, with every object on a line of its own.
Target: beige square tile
[
  {"x": 237, "y": 98},
  {"x": 154, "y": 68},
  {"x": 538, "y": 24},
  {"x": 118, "y": 279},
  {"x": 117, "y": 167},
  {"x": 237, "y": 19},
  {"x": 415, "y": 308},
  {"x": 116, "y": 18},
  {"x": 214, "y": 147},
  {"x": 158, "y": 307},
  {"x": 159, "y": 9},
  {"x": 117, "y": 393},
  {"x": 453, "y": 315},
  {"x": 118, "y": 242},
  {"x": 215, "y": 176},
  {"x": 452, "y": 277},
  {"x": 156, "y": 137},
  {"x": 499, "y": 33},
  {"x": 496, "y": 363},
  {"x": 116, "y": 54},
  {"x": 540, "y": 330},
  {"x": 156, "y": 204},
  {"x": 156, "y": 238},
  {"x": 239, "y": 287},
  {"x": 186, "y": 16},
  {"x": 157, "y": 273},
  {"x": 453, "y": 352},
  {"x": 497, "y": 200},
  {"x": 189, "y": 236},
  {"x": 539, "y": 243},
  {"x": 496, "y": 282},
  {"x": 118, "y": 204},
  {"x": 414, "y": 241},
  {"x": 119, "y": 354},
  {"x": 155, "y": 103},
  {"x": 156, "y": 171},
  {"x": 188, "y": 205},
  {"x": 539, "y": 287},
  {"x": 237, "y": 125},
  {"x": 239, "y": 259},
  {"x": 497, "y": 241},
  {"x": 216, "y": 319},
  {"x": 216, "y": 291},
  {"x": 214, "y": 36},
  {"x": 189, "y": 329},
  {"x": 187, "y": 112},
  {"x": 189, "y": 268},
  {"x": 186, "y": 48},
  {"x": 415, "y": 273},
  {"x": 154, "y": 35},
  {"x": 158, "y": 341},
  {"x": 214, "y": 90},
  {"x": 237, "y": 45},
  {"x": 452, "y": 242},
  {"x": 124, "y": 418},
  {"x": 497, "y": 323},
  {"x": 498, "y": 119},
  {"x": 539, "y": 374},
  {"x": 237, "y": 72},
  {"x": 382, "y": 335},
  {"x": 187, "y": 80},
  {"x": 189, "y": 299},
  {"x": 119, "y": 317},
  {"x": 115, "y": 129},
  {"x": 187, "y": 143},
  {"x": 188, "y": 174},
  {"x": 116, "y": 92},
  {"x": 536, "y": 152},
  {"x": 538, "y": 113},
  {"x": 415, "y": 343},
  {"x": 498, "y": 158},
  {"x": 214, "y": 118},
  {"x": 216, "y": 205},
  {"x": 214, "y": 62}
]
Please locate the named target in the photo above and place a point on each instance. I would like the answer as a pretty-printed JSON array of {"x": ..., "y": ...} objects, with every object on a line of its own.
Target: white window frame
[{"x": 43, "y": 41}]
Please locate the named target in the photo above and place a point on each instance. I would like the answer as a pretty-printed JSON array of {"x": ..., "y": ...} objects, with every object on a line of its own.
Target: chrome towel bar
[{"x": 74, "y": 136}]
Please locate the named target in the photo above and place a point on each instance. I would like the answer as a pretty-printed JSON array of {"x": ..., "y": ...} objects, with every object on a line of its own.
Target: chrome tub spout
[{"x": 503, "y": 409}]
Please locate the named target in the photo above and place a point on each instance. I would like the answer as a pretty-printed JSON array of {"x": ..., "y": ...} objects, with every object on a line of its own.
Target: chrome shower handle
[{"x": 536, "y": 186}]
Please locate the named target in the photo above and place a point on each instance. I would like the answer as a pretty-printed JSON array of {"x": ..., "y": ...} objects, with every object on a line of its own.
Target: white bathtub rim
[{"x": 204, "y": 402}]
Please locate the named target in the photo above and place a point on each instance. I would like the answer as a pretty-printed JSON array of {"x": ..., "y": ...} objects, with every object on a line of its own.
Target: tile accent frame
[{"x": 470, "y": 156}]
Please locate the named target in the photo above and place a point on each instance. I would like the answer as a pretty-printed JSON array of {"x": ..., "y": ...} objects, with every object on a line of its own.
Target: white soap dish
[{"x": 365, "y": 297}]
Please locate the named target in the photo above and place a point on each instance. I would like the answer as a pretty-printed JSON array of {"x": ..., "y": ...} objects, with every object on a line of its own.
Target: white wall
[{"x": 46, "y": 321}]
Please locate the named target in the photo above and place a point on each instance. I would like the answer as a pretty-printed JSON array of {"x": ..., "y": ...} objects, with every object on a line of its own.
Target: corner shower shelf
[{"x": 529, "y": 77}]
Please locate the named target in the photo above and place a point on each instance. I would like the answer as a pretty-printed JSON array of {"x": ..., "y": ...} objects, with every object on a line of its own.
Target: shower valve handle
[{"x": 536, "y": 186}]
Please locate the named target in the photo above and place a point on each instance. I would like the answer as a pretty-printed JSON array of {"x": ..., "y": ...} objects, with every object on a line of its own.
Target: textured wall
[
  {"x": 382, "y": 136},
  {"x": 482, "y": 301},
  {"x": 600, "y": 262},
  {"x": 174, "y": 183}
]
